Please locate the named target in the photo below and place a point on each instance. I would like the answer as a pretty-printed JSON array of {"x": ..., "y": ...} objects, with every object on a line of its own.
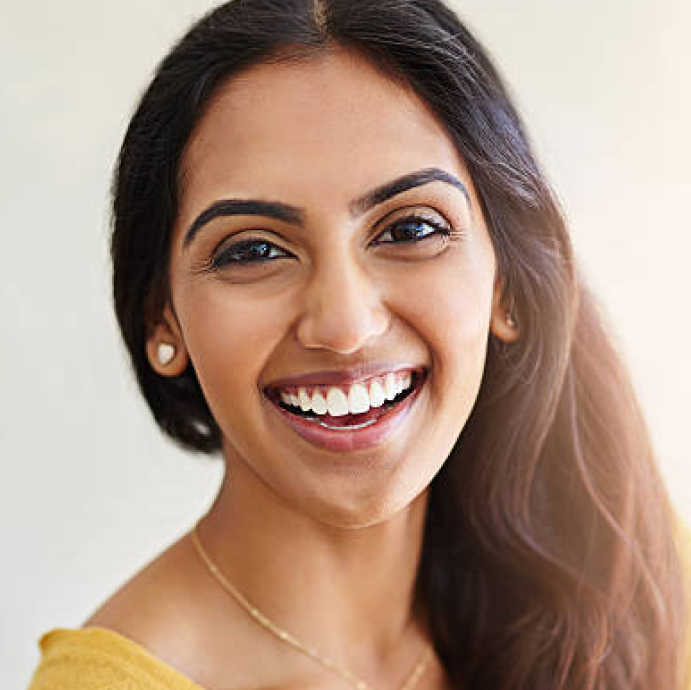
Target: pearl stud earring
[
  {"x": 165, "y": 352},
  {"x": 511, "y": 322}
]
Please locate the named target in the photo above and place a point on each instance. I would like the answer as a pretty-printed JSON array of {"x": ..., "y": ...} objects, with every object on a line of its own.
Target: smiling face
[{"x": 370, "y": 256}]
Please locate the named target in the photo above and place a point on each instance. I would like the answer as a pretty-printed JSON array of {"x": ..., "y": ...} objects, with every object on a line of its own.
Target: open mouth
[{"x": 350, "y": 421}]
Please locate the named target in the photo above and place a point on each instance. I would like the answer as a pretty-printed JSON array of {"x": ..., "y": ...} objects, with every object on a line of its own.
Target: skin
[{"x": 325, "y": 543}]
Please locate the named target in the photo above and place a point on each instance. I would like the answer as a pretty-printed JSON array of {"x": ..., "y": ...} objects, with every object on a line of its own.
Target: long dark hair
[{"x": 549, "y": 558}]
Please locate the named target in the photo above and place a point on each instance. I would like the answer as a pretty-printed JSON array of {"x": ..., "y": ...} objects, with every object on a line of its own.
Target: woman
[{"x": 337, "y": 263}]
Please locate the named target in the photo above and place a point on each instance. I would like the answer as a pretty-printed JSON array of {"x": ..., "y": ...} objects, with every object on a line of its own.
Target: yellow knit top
[{"x": 101, "y": 659}]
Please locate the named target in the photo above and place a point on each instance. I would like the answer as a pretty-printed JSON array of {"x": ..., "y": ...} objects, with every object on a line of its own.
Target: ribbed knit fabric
[{"x": 100, "y": 659}]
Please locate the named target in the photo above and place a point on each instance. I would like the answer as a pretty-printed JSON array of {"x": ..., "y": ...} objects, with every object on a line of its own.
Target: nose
[{"x": 342, "y": 309}]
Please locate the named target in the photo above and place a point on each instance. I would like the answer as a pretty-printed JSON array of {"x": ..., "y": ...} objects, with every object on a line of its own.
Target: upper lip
[{"x": 344, "y": 376}]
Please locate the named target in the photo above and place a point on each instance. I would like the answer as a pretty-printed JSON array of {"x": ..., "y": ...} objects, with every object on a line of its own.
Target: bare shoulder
[
  {"x": 175, "y": 610},
  {"x": 162, "y": 608},
  {"x": 141, "y": 589}
]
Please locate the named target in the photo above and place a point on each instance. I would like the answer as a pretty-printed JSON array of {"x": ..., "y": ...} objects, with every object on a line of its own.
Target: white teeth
[
  {"x": 358, "y": 399},
  {"x": 390, "y": 386},
  {"x": 305, "y": 400},
  {"x": 319, "y": 403},
  {"x": 336, "y": 402},
  {"x": 355, "y": 400},
  {"x": 376, "y": 394}
]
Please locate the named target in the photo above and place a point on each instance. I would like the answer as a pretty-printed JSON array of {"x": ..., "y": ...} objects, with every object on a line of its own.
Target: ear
[
  {"x": 504, "y": 322},
  {"x": 165, "y": 348}
]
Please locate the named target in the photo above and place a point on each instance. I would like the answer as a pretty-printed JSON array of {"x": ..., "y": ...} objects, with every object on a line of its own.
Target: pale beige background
[{"x": 89, "y": 489}]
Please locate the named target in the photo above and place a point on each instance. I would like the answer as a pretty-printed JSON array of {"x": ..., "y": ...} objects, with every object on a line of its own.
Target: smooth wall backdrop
[{"x": 89, "y": 490}]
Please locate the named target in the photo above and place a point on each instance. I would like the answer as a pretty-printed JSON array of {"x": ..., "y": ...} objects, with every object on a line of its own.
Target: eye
[
  {"x": 413, "y": 229},
  {"x": 251, "y": 251}
]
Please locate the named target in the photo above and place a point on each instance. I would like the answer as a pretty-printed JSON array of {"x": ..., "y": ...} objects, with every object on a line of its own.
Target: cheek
[
  {"x": 450, "y": 305},
  {"x": 452, "y": 316},
  {"x": 229, "y": 338},
  {"x": 448, "y": 310}
]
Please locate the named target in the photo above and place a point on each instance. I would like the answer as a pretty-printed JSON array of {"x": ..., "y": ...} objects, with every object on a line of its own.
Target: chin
[{"x": 363, "y": 512}]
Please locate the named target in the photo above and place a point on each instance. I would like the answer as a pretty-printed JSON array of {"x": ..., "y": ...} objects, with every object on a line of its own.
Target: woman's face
[{"x": 354, "y": 263}]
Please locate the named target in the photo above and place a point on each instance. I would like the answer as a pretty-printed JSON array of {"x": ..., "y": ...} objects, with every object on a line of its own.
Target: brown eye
[
  {"x": 247, "y": 252},
  {"x": 412, "y": 229}
]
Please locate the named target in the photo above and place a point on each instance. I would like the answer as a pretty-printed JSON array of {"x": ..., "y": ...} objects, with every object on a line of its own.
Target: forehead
[{"x": 315, "y": 131}]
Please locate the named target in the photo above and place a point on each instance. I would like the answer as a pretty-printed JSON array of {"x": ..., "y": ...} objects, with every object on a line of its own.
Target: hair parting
[{"x": 320, "y": 17}]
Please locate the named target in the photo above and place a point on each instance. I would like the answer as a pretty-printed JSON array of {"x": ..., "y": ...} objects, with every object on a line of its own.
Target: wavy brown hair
[{"x": 549, "y": 560}]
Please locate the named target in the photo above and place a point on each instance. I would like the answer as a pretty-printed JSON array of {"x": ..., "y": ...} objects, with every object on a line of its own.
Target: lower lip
[{"x": 351, "y": 439}]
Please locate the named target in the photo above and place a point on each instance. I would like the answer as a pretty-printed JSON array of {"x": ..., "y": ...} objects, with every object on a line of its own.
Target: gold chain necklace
[{"x": 286, "y": 637}]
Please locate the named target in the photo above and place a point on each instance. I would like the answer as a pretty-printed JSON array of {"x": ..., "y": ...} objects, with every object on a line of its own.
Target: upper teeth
[{"x": 341, "y": 400}]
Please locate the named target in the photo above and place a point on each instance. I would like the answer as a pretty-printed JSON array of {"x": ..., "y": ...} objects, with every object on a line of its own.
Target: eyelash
[{"x": 217, "y": 263}]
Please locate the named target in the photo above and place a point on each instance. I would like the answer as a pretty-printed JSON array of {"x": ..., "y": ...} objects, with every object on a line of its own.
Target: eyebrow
[{"x": 295, "y": 216}]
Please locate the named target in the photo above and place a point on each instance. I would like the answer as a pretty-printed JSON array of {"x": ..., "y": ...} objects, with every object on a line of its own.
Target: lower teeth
[{"x": 343, "y": 428}]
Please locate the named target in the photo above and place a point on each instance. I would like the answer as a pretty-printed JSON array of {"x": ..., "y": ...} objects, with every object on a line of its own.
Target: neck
[{"x": 349, "y": 592}]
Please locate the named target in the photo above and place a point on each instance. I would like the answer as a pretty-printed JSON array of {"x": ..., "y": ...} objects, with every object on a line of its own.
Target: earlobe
[
  {"x": 504, "y": 323},
  {"x": 165, "y": 349}
]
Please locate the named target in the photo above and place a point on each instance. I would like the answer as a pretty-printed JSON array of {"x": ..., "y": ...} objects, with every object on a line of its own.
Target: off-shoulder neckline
[{"x": 110, "y": 641}]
